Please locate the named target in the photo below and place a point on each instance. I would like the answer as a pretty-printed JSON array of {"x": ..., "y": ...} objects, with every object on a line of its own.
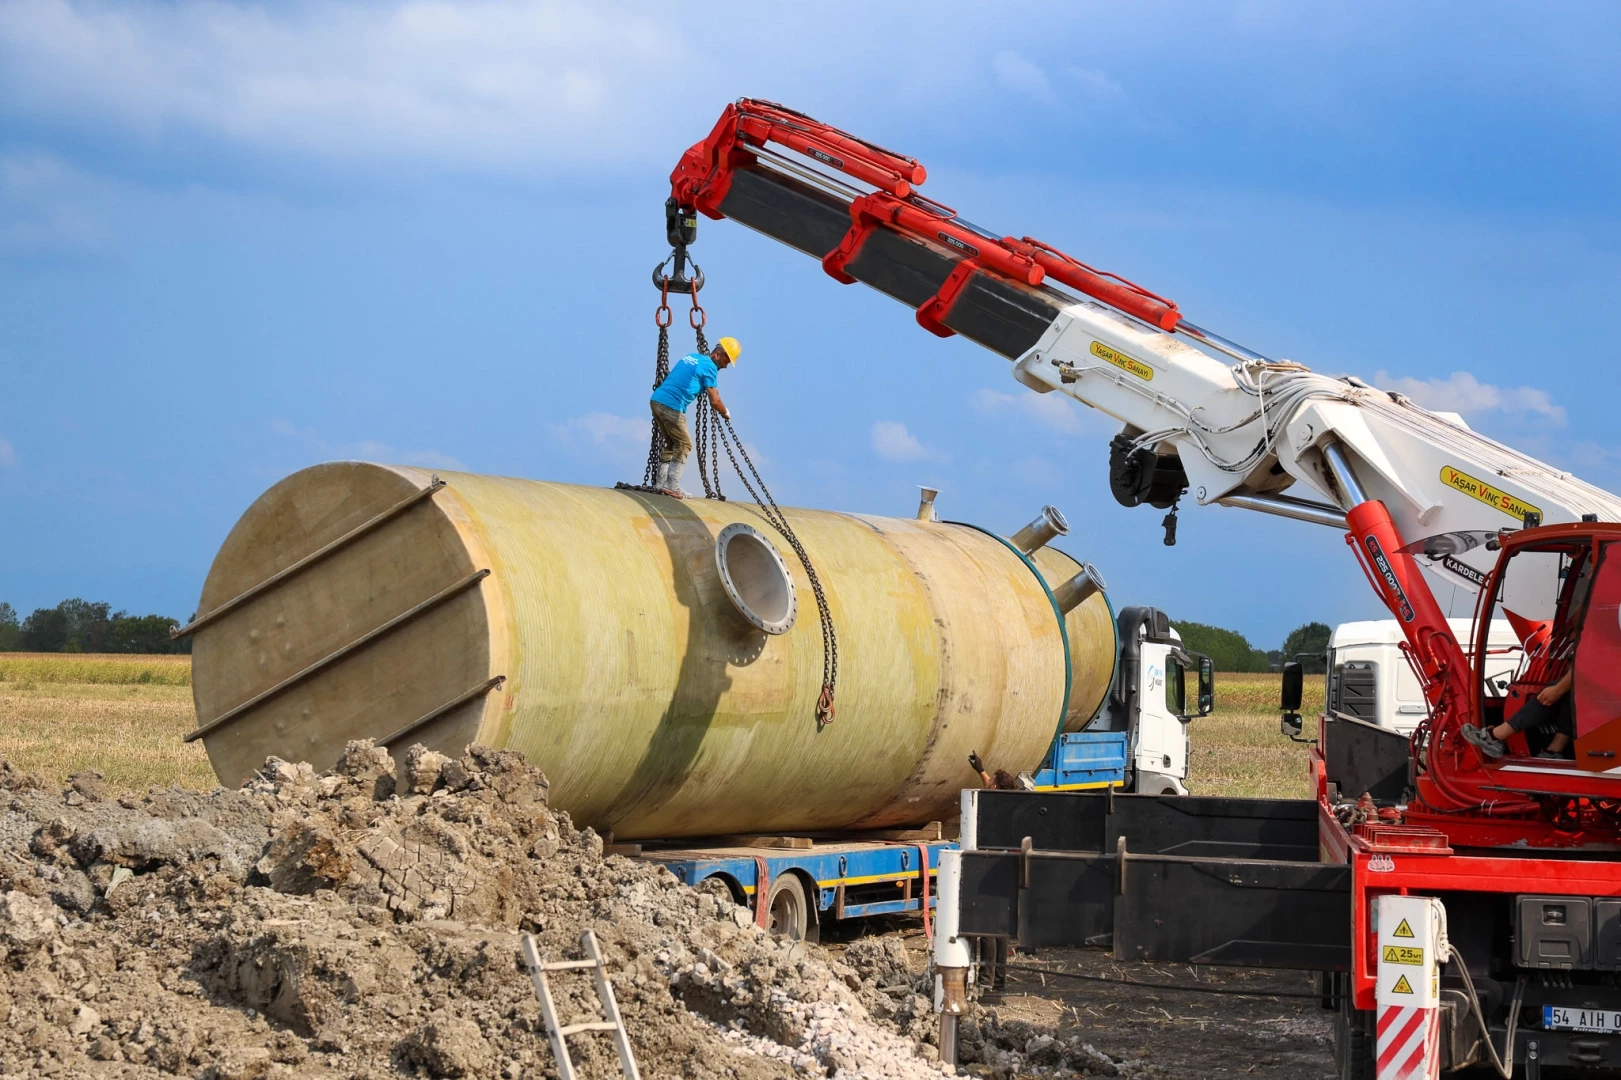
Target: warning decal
[
  {"x": 1122, "y": 361},
  {"x": 1403, "y": 954},
  {"x": 1403, "y": 930},
  {"x": 1491, "y": 496},
  {"x": 1402, "y": 986}
]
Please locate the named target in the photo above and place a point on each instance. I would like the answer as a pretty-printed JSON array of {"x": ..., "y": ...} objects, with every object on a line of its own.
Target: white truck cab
[
  {"x": 1368, "y": 676},
  {"x": 1150, "y": 702}
]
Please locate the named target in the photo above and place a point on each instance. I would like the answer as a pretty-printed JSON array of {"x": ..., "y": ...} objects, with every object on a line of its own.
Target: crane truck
[{"x": 1463, "y": 909}]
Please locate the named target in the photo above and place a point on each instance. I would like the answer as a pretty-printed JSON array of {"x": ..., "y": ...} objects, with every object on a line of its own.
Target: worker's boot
[
  {"x": 672, "y": 479},
  {"x": 661, "y": 475},
  {"x": 1483, "y": 740}
]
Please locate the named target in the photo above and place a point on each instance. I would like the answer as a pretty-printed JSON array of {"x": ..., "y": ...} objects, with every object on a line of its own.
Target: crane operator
[
  {"x": 690, "y": 375},
  {"x": 1552, "y": 705}
]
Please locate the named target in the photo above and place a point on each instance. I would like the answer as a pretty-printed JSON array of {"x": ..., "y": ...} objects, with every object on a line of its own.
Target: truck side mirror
[
  {"x": 1294, "y": 691},
  {"x": 1294, "y": 687},
  {"x": 1207, "y": 686}
]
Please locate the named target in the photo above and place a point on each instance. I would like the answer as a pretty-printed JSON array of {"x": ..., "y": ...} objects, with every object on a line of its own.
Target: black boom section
[
  {"x": 1164, "y": 878},
  {"x": 1002, "y": 316},
  {"x": 788, "y": 210},
  {"x": 1151, "y": 824}
]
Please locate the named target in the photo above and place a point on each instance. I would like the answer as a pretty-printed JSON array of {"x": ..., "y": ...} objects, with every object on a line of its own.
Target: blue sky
[{"x": 239, "y": 239}]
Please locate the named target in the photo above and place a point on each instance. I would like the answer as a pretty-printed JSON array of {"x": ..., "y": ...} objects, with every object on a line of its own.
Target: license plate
[{"x": 1557, "y": 1017}]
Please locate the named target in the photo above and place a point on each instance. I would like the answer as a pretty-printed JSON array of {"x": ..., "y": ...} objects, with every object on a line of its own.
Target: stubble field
[{"x": 125, "y": 715}]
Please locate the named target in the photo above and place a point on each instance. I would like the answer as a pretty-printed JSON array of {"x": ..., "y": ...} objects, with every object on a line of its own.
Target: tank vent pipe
[
  {"x": 925, "y": 503},
  {"x": 1078, "y": 589},
  {"x": 1048, "y": 524}
]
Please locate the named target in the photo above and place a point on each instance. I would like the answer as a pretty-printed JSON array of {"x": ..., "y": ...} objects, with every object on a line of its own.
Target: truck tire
[
  {"x": 788, "y": 910},
  {"x": 1355, "y": 1047}
]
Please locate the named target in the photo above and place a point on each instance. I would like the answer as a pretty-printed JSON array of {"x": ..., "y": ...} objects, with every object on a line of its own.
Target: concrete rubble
[{"x": 365, "y": 923}]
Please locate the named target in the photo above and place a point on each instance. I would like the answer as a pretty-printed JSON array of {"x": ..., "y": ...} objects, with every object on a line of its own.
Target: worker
[
  {"x": 1552, "y": 706},
  {"x": 692, "y": 374},
  {"x": 1001, "y": 780}
]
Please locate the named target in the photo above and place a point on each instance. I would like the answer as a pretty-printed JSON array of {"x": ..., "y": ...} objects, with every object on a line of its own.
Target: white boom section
[{"x": 1247, "y": 432}]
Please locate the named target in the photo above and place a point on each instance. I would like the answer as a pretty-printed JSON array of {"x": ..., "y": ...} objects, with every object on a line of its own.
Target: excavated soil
[{"x": 366, "y": 923}]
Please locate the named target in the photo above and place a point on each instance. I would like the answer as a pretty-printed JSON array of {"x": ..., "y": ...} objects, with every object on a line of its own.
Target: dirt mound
[{"x": 365, "y": 923}]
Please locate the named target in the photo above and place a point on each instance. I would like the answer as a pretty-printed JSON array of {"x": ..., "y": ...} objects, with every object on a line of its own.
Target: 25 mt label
[{"x": 1122, "y": 361}]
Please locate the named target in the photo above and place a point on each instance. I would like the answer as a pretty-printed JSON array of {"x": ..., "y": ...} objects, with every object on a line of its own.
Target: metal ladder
[{"x": 557, "y": 1032}]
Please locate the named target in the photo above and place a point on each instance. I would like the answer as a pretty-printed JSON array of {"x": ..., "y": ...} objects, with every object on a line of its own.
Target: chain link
[
  {"x": 655, "y": 446},
  {"x": 705, "y": 430},
  {"x": 779, "y": 521}
]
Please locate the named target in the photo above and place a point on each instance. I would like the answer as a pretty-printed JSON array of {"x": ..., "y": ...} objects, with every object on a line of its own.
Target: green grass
[{"x": 1238, "y": 751}]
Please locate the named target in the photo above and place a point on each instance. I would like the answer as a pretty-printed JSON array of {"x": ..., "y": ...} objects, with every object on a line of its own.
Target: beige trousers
[{"x": 677, "y": 442}]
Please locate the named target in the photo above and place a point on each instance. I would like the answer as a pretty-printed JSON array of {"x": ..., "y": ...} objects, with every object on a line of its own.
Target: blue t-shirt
[{"x": 689, "y": 376}]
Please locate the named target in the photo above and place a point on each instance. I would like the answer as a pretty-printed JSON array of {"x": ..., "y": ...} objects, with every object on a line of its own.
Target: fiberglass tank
[{"x": 659, "y": 659}]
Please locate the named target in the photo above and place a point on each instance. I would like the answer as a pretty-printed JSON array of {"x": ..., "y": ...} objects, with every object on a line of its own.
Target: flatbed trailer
[
  {"x": 809, "y": 882},
  {"x": 1298, "y": 884}
]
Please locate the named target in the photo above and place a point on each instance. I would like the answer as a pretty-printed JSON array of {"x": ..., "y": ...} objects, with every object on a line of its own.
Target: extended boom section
[{"x": 1199, "y": 413}]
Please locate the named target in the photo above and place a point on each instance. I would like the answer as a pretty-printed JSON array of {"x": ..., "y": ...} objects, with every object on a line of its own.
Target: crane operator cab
[{"x": 1560, "y": 588}]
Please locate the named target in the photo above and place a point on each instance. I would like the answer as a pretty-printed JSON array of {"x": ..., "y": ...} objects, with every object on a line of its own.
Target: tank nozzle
[
  {"x": 1048, "y": 524},
  {"x": 925, "y": 503},
  {"x": 1078, "y": 589}
]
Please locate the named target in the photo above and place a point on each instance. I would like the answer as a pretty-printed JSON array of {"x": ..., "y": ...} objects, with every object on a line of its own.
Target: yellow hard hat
[{"x": 733, "y": 349}]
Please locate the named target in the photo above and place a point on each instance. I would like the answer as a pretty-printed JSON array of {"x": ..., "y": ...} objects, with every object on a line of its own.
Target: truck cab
[
  {"x": 1138, "y": 741},
  {"x": 1368, "y": 676}
]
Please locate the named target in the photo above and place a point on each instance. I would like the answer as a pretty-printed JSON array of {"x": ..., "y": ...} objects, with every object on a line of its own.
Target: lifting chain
[
  {"x": 768, "y": 507},
  {"x": 705, "y": 429},
  {"x": 713, "y": 433},
  {"x": 661, "y": 368}
]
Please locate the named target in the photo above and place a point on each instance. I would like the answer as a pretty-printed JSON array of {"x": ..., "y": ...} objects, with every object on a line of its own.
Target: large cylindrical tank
[{"x": 602, "y": 633}]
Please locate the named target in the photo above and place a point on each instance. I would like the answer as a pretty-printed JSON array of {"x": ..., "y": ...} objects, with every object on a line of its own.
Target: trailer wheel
[
  {"x": 1355, "y": 1048},
  {"x": 787, "y": 907}
]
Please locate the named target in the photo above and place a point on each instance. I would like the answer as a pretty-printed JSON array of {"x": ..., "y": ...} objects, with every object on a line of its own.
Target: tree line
[
  {"x": 1231, "y": 651},
  {"x": 80, "y": 626}
]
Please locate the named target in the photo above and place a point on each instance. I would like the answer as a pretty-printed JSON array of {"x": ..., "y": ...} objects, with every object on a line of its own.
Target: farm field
[
  {"x": 1237, "y": 750},
  {"x": 125, "y": 715}
]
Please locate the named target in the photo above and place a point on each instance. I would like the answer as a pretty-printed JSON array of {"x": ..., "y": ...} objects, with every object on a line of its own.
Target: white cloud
[
  {"x": 465, "y": 84},
  {"x": 892, "y": 442},
  {"x": 1017, "y": 72},
  {"x": 605, "y": 429},
  {"x": 8, "y": 455},
  {"x": 1053, "y": 411},
  {"x": 42, "y": 206},
  {"x": 1462, "y": 393},
  {"x": 1097, "y": 84},
  {"x": 364, "y": 450}
]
